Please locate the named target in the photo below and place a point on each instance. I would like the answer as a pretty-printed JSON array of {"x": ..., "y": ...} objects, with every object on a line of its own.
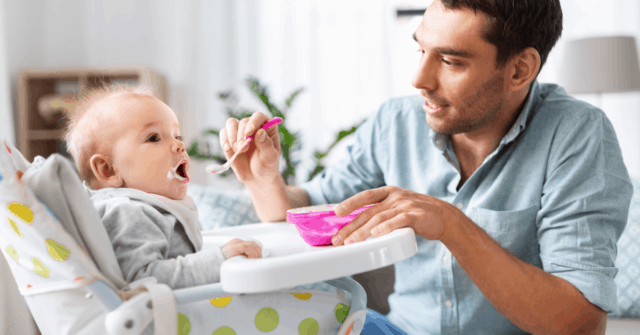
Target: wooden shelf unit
[{"x": 39, "y": 138}]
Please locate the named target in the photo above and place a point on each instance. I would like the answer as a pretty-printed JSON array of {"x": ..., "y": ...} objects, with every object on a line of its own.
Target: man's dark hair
[{"x": 515, "y": 25}]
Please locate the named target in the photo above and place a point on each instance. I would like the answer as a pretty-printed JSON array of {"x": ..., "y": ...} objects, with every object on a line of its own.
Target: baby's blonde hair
[{"x": 83, "y": 146}]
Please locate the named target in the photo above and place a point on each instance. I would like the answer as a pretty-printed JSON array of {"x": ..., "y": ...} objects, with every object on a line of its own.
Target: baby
[{"x": 128, "y": 150}]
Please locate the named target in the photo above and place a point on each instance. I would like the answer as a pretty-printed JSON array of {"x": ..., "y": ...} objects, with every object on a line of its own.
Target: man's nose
[{"x": 425, "y": 77}]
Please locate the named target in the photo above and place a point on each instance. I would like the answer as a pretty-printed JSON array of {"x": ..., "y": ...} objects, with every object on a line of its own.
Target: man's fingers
[
  {"x": 224, "y": 143},
  {"x": 362, "y": 199},
  {"x": 364, "y": 231},
  {"x": 240, "y": 137},
  {"x": 358, "y": 222},
  {"x": 391, "y": 224},
  {"x": 256, "y": 120},
  {"x": 232, "y": 131},
  {"x": 266, "y": 148}
]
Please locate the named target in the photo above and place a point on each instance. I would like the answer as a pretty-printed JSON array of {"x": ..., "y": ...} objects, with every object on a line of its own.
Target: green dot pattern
[
  {"x": 224, "y": 331},
  {"x": 341, "y": 312},
  {"x": 267, "y": 319},
  {"x": 308, "y": 326},
  {"x": 184, "y": 324}
]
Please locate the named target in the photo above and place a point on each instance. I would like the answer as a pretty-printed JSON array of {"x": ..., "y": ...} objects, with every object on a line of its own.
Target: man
[{"x": 517, "y": 192}]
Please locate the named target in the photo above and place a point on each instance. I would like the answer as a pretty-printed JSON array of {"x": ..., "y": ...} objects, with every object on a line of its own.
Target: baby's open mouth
[{"x": 180, "y": 171}]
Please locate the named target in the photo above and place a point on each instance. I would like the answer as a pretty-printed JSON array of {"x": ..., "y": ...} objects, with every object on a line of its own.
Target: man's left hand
[{"x": 395, "y": 208}]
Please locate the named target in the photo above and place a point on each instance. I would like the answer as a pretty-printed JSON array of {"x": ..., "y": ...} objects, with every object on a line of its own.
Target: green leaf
[
  {"x": 287, "y": 138},
  {"x": 293, "y": 95},
  {"x": 225, "y": 95},
  {"x": 319, "y": 168},
  {"x": 320, "y": 155},
  {"x": 193, "y": 149},
  {"x": 211, "y": 132}
]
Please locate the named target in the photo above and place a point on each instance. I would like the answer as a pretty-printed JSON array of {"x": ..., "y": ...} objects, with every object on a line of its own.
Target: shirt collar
[{"x": 441, "y": 140}]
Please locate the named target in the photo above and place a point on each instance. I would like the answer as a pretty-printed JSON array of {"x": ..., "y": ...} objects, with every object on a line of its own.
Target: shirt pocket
[{"x": 515, "y": 230}]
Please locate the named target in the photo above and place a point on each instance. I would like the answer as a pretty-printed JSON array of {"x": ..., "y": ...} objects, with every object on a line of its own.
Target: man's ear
[
  {"x": 523, "y": 69},
  {"x": 104, "y": 172}
]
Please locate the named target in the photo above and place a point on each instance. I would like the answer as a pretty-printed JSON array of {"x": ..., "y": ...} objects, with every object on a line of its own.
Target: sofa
[{"x": 221, "y": 208}]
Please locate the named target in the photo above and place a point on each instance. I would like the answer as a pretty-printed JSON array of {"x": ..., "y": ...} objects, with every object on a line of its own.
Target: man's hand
[
  {"x": 237, "y": 247},
  {"x": 396, "y": 208},
  {"x": 259, "y": 161}
]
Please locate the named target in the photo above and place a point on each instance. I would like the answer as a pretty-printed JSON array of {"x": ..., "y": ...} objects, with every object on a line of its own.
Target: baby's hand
[{"x": 238, "y": 247}]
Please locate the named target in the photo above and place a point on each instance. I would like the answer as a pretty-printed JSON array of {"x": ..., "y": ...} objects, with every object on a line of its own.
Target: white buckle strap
[
  {"x": 165, "y": 312},
  {"x": 134, "y": 315}
]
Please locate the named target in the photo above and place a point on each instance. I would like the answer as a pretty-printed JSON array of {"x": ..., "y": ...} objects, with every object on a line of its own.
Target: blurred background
[{"x": 348, "y": 56}]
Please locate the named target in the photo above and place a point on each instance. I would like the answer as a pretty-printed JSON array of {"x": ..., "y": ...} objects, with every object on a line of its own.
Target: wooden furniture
[{"x": 41, "y": 137}]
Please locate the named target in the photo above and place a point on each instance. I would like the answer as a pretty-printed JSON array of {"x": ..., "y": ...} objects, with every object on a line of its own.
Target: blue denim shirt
[{"x": 555, "y": 193}]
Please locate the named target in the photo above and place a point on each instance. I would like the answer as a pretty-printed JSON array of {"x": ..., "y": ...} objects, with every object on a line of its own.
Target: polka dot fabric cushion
[
  {"x": 628, "y": 262},
  {"x": 282, "y": 312},
  {"x": 42, "y": 256},
  {"x": 219, "y": 208}
]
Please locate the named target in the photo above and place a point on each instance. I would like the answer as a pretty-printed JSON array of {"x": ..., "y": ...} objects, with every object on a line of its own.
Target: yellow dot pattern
[
  {"x": 267, "y": 319},
  {"x": 39, "y": 268},
  {"x": 341, "y": 312},
  {"x": 12, "y": 252},
  {"x": 220, "y": 302},
  {"x": 224, "y": 331},
  {"x": 57, "y": 251},
  {"x": 308, "y": 326},
  {"x": 184, "y": 324},
  {"x": 15, "y": 227},
  {"x": 302, "y": 296},
  {"x": 21, "y": 211}
]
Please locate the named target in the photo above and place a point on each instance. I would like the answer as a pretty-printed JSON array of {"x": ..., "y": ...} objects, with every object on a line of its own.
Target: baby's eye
[
  {"x": 179, "y": 138},
  {"x": 154, "y": 138}
]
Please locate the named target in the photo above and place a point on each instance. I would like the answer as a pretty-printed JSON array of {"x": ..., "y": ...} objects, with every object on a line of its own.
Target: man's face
[
  {"x": 457, "y": 75},
  {"x": 148, "y": 152}
]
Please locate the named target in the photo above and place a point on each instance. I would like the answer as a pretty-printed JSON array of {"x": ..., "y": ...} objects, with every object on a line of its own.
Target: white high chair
[{"x": 64, "y": 265}]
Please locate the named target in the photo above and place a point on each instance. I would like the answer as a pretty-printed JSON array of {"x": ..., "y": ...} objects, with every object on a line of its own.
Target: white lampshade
[{"x": 600, "y": 65}]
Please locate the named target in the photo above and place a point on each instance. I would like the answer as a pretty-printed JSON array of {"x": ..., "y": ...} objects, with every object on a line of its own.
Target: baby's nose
[{"x": 179, "y": 147}]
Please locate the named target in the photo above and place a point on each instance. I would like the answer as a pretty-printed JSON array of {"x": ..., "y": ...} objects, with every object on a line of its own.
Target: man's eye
[
  {"x": 448, "y": 63},
  {"x": 154, "y": 138}
]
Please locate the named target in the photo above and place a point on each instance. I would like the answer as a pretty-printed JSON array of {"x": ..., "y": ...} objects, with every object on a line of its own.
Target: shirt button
[
  {"x": 448, "y": 303},
  {"x": 446, "y": 258},
  {"x": 460, "y": 205}
]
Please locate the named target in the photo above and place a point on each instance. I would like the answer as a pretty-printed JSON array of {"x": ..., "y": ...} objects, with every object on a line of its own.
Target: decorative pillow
[
  {"x": 628, "y": 262},
  {"x": 218, "y": 208}
]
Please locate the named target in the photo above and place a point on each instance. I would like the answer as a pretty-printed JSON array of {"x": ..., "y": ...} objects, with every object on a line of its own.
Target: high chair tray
[{"x": 288, "y": 261}]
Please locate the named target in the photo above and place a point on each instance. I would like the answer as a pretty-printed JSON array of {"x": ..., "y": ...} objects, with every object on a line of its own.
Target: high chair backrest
[{"x": 47, "y": 254}]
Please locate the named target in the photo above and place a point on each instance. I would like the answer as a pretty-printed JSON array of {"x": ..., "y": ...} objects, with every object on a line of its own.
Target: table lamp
[{"x": 600, "y": 65}]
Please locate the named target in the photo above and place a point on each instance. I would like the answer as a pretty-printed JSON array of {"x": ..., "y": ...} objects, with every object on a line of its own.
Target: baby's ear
[{"x": 104, "y": 172}]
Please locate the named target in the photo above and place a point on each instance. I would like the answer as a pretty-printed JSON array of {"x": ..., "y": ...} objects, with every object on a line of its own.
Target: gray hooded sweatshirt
[{"x": 154, "y": 236}]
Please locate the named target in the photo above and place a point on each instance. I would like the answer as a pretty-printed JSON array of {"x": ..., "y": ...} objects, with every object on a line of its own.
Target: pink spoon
[{"x": 214, "y": 168}]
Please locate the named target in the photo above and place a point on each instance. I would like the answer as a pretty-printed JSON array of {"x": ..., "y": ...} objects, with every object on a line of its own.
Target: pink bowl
[{"x": 318, "y": 224}]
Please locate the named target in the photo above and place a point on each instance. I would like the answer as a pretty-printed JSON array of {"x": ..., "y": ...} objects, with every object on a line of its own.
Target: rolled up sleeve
[{"x": 584, "y": 208}]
